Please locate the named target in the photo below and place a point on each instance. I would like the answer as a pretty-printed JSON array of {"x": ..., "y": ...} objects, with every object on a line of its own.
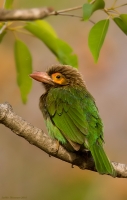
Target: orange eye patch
[{"x": 59, "y": 78}]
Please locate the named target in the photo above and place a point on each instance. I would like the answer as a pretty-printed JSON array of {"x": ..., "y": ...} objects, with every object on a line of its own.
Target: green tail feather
[{"x": 102, "y": 163}]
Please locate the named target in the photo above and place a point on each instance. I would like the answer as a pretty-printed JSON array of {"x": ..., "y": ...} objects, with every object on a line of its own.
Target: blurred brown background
[{"x": 26, "y": 171}]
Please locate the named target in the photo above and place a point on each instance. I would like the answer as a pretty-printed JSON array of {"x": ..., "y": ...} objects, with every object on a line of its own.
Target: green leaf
[
  {"x": 87, "y": 11},
  {"x": 90, "y": 8},
  {"x": 8, "y": 4},
  {"x": 2, "y": 35},
  {"x": 121, "y": 22},
  {"x": 46, "y": 26},
  {"x": 43, "y": 31},
  {"x": 98, "y": 5},
  {"x": 96, "y": 37},
  {"x": 2, "y": 32},
  {"x": 24, "y": 68},
  {"x": 124, "y": 18},
  {"x": 65, "y": 54}
]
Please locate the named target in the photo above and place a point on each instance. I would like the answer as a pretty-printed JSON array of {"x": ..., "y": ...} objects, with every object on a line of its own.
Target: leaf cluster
[{"x": 63, "y": 52}]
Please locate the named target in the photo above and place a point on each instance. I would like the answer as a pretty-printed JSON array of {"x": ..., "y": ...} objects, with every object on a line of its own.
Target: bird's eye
[{"x": 58, "y": 76}]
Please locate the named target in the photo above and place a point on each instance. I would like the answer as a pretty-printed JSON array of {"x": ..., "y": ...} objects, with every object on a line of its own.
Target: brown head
[{"x": 58, "y": 76}]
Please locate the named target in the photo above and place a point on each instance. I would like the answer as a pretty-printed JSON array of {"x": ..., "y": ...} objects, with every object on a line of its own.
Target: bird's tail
[{"x": 102, "y": 163}]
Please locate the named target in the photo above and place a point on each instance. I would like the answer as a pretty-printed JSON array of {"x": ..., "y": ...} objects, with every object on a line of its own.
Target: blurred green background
[{"x": 26, "y": 171}]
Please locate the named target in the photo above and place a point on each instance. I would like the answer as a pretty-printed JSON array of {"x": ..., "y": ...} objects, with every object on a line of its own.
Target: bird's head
[{"x": 58, "y": 76}]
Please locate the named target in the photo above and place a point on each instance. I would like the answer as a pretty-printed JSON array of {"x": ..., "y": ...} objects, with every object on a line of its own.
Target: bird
[{"x": 71, "y": 114}]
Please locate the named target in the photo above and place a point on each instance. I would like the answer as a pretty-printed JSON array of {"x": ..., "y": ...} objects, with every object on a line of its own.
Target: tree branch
[
  {"x": 37, "y": 137},
  {"x": 24, "y": 14},
  {"x": 32, "y": 14},
  {"x": 66, "y": 10}
]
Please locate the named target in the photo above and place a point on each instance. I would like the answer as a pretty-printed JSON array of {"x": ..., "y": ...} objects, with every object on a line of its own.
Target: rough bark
[{"x": 24, "y": 14}]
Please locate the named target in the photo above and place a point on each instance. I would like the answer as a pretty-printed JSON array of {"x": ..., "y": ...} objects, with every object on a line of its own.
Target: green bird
[{"x": 71, "y": 114}]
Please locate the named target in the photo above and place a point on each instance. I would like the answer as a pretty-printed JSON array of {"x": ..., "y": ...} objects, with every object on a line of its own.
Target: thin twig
[
  {"x": 14, "y": 30},
  {"x": 70, "y": 15},
  {"x": 121, "y": 6},
  {"x": 65, "y": 10},
  {"x": 114, "y": 3},
  {"x": 92, "y": 21},
  {"x": 114, "y": 11}
]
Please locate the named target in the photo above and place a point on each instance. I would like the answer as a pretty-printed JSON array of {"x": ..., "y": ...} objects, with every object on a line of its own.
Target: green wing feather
[
  {"x": 67, "y": 114},
  {"x": 74, "y": 112},
  {"x": 74, "y": 117},
  {"x": 54, "y": 132}
]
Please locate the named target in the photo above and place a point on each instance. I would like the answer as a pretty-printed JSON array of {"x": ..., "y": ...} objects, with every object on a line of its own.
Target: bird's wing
[{"x": 70, "y": 113}]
